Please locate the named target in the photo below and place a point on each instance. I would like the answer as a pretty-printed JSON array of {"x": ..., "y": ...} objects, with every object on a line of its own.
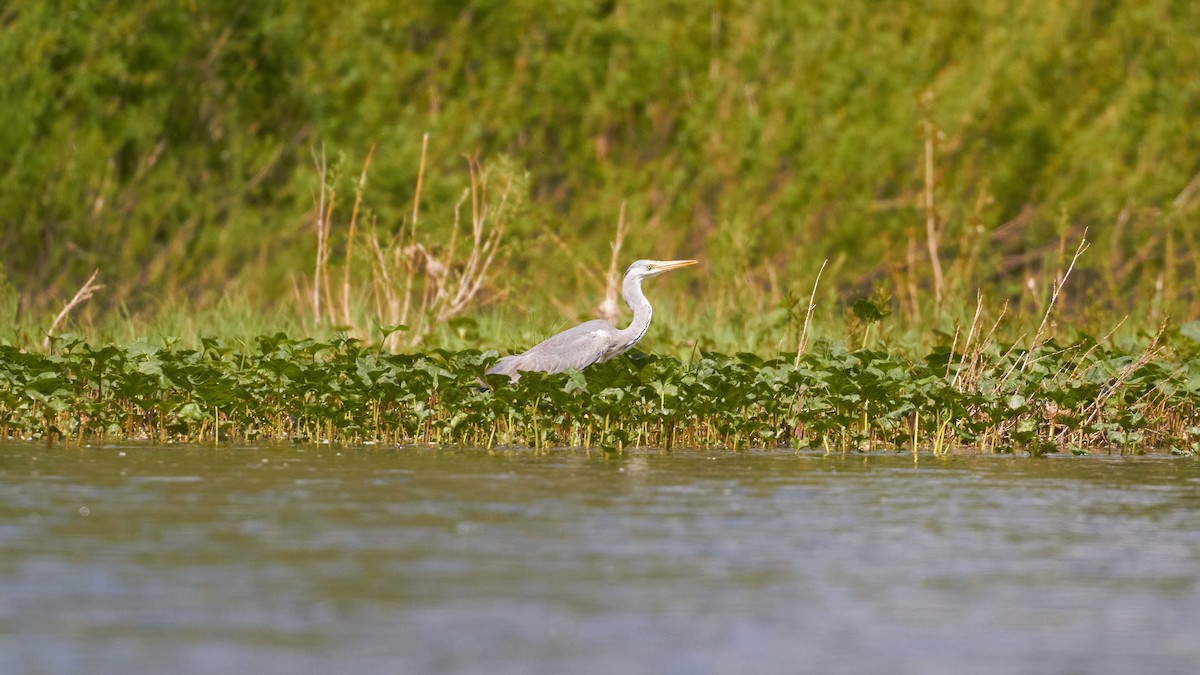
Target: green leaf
[
  {"x": 867, "y": 310},
  {"x": 1191, "y": 330}
]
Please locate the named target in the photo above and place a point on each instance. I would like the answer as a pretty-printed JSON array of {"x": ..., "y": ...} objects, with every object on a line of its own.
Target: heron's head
[{"x": 644, "y": 269}]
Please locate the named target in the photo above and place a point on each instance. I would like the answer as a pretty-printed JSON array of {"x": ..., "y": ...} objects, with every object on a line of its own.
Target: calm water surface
[{"x": 297, "y": 560}]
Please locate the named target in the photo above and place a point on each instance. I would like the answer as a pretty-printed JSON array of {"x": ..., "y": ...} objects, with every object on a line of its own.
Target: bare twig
[{"x": 84, "y": 293}]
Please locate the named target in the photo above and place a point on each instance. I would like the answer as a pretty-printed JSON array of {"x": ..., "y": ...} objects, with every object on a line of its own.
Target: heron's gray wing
[{"x": 577, "y": 348}]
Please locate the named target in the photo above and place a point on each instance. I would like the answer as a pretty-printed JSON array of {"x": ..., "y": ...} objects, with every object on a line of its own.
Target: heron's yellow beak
[{"x": 674, "y": 264}]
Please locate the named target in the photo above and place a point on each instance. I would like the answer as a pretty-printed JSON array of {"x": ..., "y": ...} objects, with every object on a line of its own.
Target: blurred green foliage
[{"x": 169, "y": 142}]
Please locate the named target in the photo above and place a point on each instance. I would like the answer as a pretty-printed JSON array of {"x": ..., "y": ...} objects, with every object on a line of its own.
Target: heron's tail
[{"x": 506, "y": 366}]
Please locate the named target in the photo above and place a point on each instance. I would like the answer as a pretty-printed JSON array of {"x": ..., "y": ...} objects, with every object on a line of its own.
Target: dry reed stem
[
  {"x": 325, "y": 206},
  {"x": 326, "y": 286},
  {"x": 1152, "y": 350},
  {"x": 420, "y": 181},
  {"x": 448, "y": 284},
  {"x": 409, "y": 277},
  {"x": 358, "y": 197},
  {"x": 321, "y": 235},
  {"x": 1083, "y": 357},
  {"x": 1011, "y": 369},
  {"x": 381, "y": 280},
  {"x": 608, "y": 309},
  {"x": 84, "y": 294},
  {"x": 483, "y": 246},
  {"x": 970, "y": 336},
  {"x": 931, "y": 229},
  {"x": 914, "y": 296},
  {"x": 953, "y": 348},
  {"x": 1056, "y": 289},
  {"x": 802, "y": 345},
  {"x": 995, "y": 325},
  {"x": 1187, "y": 193}
]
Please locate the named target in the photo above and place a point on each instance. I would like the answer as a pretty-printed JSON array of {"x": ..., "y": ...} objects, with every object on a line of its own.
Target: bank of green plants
[
  {"x": 1081, "y": 397},
  {"x": 463, "y": 168}
]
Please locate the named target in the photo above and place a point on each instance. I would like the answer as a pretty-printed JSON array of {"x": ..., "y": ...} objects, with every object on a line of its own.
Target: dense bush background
[{"x": 170, "y": 143}]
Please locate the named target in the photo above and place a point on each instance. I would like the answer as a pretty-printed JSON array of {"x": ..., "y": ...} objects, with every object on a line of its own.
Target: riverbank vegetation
[
  {"x": 976, "y": 393},
  {"x": 968, "y": 193}
]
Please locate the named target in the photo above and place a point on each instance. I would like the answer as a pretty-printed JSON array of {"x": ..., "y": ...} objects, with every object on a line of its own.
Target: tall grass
[{"x": 415, "y": 285}]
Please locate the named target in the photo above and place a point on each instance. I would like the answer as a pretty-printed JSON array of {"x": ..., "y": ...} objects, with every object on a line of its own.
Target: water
[{"x": 290, "y": 560}]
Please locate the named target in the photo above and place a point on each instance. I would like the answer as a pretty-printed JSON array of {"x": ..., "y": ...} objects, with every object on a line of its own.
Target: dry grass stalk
[
  {"x": 1132, "y": 367},
  {"x": 84, "y": 294},
  {"x": 970, "y": 382},
  {"x": 608, "y": 309},
  {"x": 970, "y": 336},
  {"x": 358, "y": 196},
  {"x": 438, "y": 286},
  {"x": 914, "y": 296},
  {"x": 381, "y": 279},
  {"x": 437, "y": 283},
  {"x": 409, "y": 278},
  {"x": 1187, "y": 193},
  {"x": 324, "y": 210},
  {"x": 1082, "y": 363},
  {"x": 1056, "y": 289},
  {"x": 931, "y": 228},
  {"x": 812, "y": 303},
  {"x": 468, "y": 279}
]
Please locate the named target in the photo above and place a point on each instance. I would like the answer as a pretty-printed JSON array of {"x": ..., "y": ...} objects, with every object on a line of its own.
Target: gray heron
[{"x": 592, "y": 341}]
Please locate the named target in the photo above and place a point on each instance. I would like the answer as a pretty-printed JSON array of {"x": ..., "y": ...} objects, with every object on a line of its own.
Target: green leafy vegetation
[
  {"x": 938, "y": 206},
  {"x": 986, "y": 397}
]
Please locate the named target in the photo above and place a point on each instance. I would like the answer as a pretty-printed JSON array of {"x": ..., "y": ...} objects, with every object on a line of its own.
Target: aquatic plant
[{"x": 999, "y": 398}]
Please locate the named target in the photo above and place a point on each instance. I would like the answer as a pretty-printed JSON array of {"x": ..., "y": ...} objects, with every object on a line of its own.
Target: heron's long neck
[{"x": 631, "y": 290}]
